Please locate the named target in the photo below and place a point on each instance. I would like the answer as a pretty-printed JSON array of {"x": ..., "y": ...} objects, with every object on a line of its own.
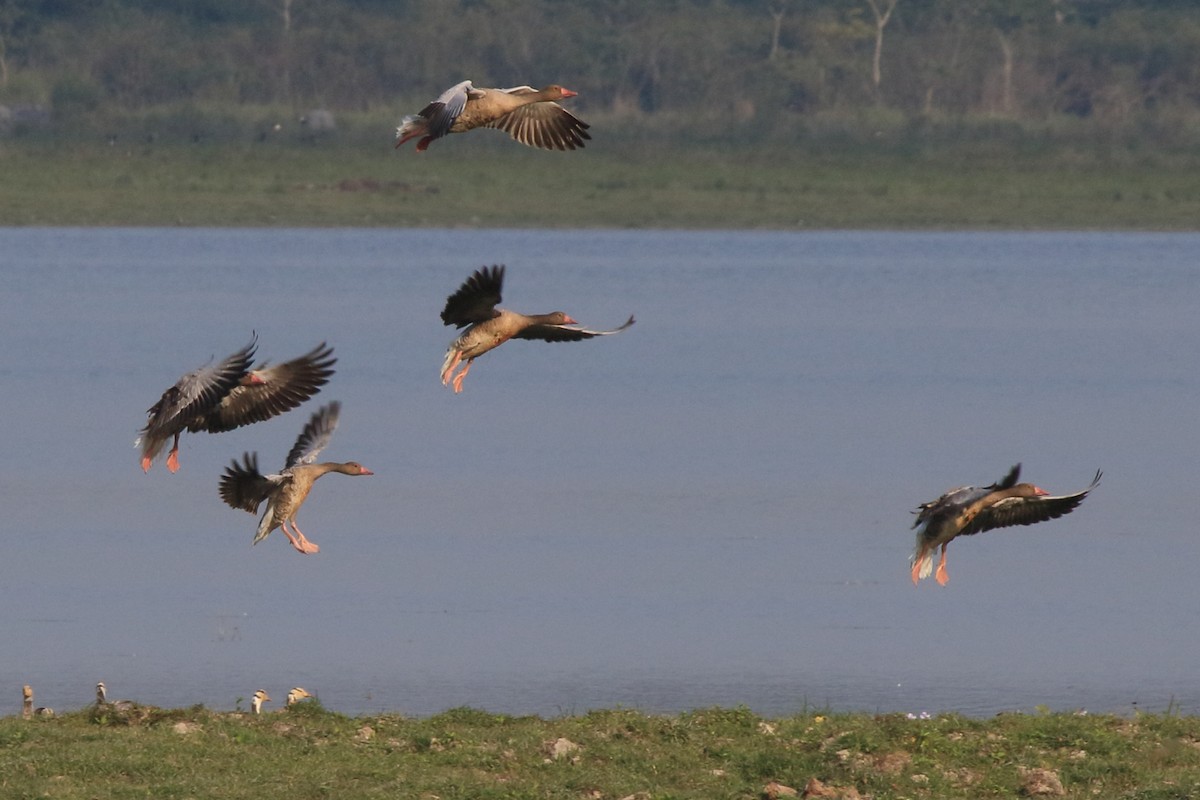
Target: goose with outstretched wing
[
  {"x": 229, "y": 394},
  {"x": 474, "y": 306},
  {"x": 531, "y": 116},
  {"x": 968, "y": 510},
  {"x": 243, "y": 486}
]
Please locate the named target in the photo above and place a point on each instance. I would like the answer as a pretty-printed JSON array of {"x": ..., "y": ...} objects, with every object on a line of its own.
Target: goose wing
[
  {"x": 443, "y": 111},
  {"x": 950, "y": 503},
  {"x": 243, "y": 486},
  {"x": 546, "y": 125},
  {"x": 1028, "y": 510},
  {"x": 955, "y": 500},
  {"x": 192, "y": 396},
  {"x": 278, "y": 388},
  {"x": 566, "y": 333},
  {"x": 315, "y": 436},
  {"x": 476, "y": 300}
]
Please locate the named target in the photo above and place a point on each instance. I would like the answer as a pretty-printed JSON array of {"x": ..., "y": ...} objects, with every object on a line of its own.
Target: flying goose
[
  {"x": 229, "y": 394},
  {"x": 474, "y": 306},
  {"x": 969, "y": 510},
  {"x": 530, "y": 116},
  {"x": 243, "y": 486}
]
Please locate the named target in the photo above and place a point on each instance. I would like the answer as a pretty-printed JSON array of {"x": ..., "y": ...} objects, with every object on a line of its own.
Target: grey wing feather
[
  {"x": 950, "y": 501},
  {"x": 315, "y": 436},
  {"x": 1028, "y": 510},
  {"x": 442, "y": 112},
  {"x": 566, "y": 333},
  {"x": 285, "y": 386},
  {"x": 963, "y": 496},
  {"x": 192, "y": 396},
  {"x": 477, "y": 298}
]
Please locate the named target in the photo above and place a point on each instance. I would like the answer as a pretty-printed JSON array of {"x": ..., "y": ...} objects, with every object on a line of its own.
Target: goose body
[
  {"x": 27, "y": 709},
  {"x": 243, "y": 486},
  {"x": 474, "y": 306},
  {"x": 968, "y": 510},
  {"x": 116, "y": 705},
  {"x": 531, "y": 116},
  {"x": 229, "y": 394}
]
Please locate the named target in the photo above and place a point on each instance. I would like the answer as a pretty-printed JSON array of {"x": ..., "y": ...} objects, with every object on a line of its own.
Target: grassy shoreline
[
  {"x": 305, "y": 752},
  {"x": 494, "y": 183}
]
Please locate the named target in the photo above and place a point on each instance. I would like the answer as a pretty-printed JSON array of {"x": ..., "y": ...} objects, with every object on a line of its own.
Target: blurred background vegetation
[
  {"x": 818, "y": 72},
  {"x": 704, "y": 113}
]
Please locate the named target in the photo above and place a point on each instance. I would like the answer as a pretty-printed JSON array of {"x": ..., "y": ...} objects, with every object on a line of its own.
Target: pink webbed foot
[
  {"x": 146, "y": 463},
  {"x": 302, "y": 544},
  {"x": 942, "y": 576},
  {"x": 460, "y": 377},
  {"x": 307, "y": 547},
  {"x": 173, "y": 460}
]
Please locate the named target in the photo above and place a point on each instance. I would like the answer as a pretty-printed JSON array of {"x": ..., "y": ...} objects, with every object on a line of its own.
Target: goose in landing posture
[
  {"x": 970, "y": 509},
  {"x": 531, "y": 116},
  {"x": 227, "y": 395},
  {"x": 474, "y": 306},
  {"x": 243, "y": 486}
]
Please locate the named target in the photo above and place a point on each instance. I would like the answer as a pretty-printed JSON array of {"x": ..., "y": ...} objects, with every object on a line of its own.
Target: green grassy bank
[
  {"x": 489, "y": 181},
  {"x": 306, "y": 752}
]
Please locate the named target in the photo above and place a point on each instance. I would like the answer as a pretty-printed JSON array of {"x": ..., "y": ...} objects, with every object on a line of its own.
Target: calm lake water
[{"x": 712, "y": 508}]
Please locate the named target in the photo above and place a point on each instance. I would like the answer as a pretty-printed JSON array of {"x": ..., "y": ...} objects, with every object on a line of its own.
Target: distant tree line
[{"x": 717, "y": 61}]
